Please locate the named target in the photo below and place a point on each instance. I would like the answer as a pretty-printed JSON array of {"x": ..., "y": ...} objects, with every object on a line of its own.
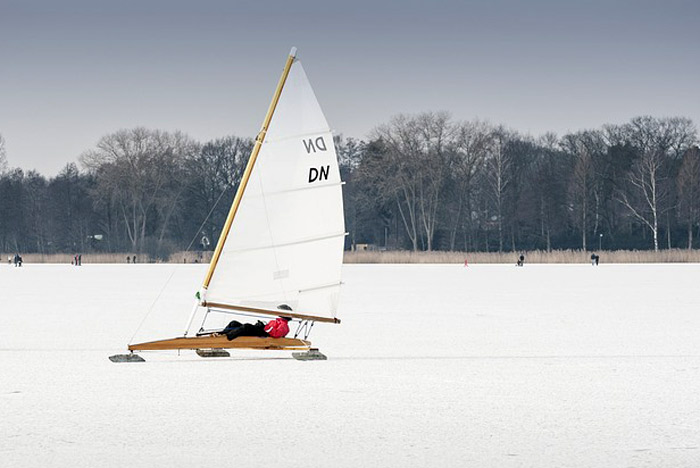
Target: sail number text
[{"x": 312, "y": 146}]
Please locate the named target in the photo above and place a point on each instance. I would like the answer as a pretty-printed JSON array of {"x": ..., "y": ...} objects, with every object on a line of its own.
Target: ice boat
[{"x": 282, "y": 242}]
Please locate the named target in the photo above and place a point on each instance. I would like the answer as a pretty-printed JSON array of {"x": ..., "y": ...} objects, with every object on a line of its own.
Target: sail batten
[
  {"x": 287, "y": 237},
  {"x": 293, "y": 242},
  {"x": 273, "y": 193},
  {"x": 321, "y": 286}
]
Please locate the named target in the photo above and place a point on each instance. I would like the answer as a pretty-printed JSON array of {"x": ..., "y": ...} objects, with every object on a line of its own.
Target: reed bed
[
  {"x": 405, "y": 256},
  {"x": 534, "y": 256}
]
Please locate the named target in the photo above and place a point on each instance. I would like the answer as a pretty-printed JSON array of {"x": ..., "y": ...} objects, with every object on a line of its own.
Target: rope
[{"x": 177, "y": 266}]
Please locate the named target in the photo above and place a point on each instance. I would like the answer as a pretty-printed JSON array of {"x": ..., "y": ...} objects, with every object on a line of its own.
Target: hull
[{"x": 221, "y": 342}]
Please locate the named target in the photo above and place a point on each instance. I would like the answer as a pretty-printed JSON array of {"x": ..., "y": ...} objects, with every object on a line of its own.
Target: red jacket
[{"x": 277, "y": 328}]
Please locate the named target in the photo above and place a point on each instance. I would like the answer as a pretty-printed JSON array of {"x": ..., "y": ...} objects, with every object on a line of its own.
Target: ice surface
[{"x": 433, "y": 365}]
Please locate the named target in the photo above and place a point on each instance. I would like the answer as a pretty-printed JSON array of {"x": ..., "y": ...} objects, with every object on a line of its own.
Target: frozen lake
[{"x": 433, "y": 365}]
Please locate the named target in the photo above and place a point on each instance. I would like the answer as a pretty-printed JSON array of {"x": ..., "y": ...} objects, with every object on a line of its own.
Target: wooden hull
[{"x": 221, "y": 342}]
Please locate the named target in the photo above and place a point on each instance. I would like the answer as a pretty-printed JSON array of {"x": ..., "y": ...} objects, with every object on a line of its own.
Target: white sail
[{"x": 286, "y": 241}]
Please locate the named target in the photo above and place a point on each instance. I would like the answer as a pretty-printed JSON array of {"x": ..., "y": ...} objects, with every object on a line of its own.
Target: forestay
[{"x": 286, "y": 240}]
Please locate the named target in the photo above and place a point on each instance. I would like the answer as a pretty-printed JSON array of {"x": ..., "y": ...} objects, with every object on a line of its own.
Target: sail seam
[{"x": 300, "y": 135}]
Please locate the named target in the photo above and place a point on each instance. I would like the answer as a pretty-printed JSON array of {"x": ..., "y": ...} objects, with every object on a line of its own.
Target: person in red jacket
[{"x": 278, "y": 328}]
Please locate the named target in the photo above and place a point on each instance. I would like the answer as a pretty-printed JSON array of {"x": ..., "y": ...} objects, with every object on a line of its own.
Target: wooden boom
[{"x": 276, "y": 313}]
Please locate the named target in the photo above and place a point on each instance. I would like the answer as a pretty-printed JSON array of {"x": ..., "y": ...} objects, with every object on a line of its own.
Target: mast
[{"x": 249, "y": 169}]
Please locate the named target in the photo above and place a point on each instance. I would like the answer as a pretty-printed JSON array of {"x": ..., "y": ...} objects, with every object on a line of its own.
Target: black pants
[{"x": 235, "y": 329}]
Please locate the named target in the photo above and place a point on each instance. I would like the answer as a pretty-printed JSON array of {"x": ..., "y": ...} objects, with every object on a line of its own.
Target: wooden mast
[{"x": 249, "y": 168}]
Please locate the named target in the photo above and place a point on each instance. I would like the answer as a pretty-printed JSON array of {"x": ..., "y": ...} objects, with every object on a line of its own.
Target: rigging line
[{"x": 177, "y": 266}]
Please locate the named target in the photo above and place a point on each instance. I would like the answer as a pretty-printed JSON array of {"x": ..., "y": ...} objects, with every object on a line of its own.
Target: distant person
[
  {"x": 521, "y": 261},
  {"x": 134, "y": 259},
  {"x": 18, "y": 260},
  {"x": 80, "y": 259},
  {"x": 128, "y": 259},
  {"x": 595, "y": 259}
]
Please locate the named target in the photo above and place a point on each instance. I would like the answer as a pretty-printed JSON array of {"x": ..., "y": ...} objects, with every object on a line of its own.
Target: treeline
[
  {"x": 420, "y": 182},
  {"x": 142, "y": 191},
  {"x": 426, "y": 182}
]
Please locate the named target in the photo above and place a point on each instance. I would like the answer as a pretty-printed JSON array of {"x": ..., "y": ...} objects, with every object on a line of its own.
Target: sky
[{"x": 73, "y": 71}]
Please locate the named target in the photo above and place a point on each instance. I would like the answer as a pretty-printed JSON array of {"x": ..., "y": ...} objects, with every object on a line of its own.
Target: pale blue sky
[{"x": 73, "y": 71}]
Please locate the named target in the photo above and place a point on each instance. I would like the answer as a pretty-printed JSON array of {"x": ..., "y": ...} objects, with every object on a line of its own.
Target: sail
[{"x": 286, "y": 242}]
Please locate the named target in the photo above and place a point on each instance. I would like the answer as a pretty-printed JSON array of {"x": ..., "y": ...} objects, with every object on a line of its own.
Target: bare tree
[
  {"x": 70, "y": 220},
  {"x": 399, "y": 171},
  {"x": 140, "y": 172},
  {"x": 499, "y": 175},
  {"x": 550, "y": 176},
  {"x": 689, "y": 190},
  {"x": 437, "y": 135},
  {"x": 583, "y": 190},
  {"x": 471, "y": 146},
  {"x": 656, "y": 140},
  {"x": 3, "y": 156},
  {"x": 214, "y": 172},
  {"x": 646, "y": 180},
  {"x": 349, "y": 151},
  {"x": 417, "y": 150}
]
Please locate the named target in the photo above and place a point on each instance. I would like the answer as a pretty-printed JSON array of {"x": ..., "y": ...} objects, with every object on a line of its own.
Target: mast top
[{"x": 293, "y": 52}]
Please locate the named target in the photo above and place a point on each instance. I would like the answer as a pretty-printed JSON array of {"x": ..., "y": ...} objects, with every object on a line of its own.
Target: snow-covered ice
[{"x": 433, "y": 365}]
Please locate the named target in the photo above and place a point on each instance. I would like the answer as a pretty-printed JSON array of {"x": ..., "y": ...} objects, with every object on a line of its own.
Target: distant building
[{"x": 370, "y": 247}]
